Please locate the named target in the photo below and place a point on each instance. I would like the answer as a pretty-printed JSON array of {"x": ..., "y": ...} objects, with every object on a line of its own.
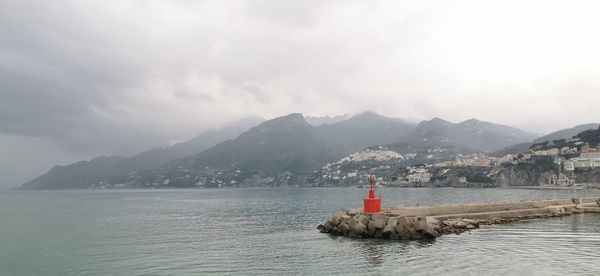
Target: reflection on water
[
  {"x": 272, "y": 231},
  {"x": 374, "y": 255}
]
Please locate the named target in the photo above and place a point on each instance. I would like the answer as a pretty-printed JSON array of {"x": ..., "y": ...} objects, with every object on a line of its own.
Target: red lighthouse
[{"x": 372, "y": 203}]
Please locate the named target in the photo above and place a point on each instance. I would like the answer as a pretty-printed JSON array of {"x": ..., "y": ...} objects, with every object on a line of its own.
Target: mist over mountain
[{"x": 114, "y": 169}]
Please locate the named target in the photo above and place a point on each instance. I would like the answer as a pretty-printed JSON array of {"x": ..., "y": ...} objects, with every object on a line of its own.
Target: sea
[{"x": 273, "y": 232}]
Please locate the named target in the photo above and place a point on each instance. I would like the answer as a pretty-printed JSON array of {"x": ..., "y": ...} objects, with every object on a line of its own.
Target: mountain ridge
[
  {"x": 283, "y": 150},
  {"x": 115, "y": 168},
  {"x": 556, "y": 135}
]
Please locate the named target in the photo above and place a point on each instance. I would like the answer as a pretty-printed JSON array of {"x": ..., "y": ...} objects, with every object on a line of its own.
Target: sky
[{"x": 79, "y": 79}]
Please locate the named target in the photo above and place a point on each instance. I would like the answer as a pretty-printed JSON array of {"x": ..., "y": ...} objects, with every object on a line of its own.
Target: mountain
[
  {"x": 566, "y": 133},
  {"x": 557, "y": 135},
  {"x": 469, "y": 136},
  {"x": 281, "y": 151},
  {"x": 115, "y": 169},
  {"x": 364, "y": 130},
  {"x": 315, "y": 121}
]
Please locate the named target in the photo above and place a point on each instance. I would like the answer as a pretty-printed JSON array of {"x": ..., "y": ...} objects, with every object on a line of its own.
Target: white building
[
  {"x": 418, "y": 177},
  {"x": 585, "y": 160},
  {"x": 569, "y": 165}
]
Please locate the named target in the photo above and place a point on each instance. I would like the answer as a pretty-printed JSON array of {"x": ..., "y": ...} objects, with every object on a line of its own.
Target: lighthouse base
[{"x": 372, "y": 205}]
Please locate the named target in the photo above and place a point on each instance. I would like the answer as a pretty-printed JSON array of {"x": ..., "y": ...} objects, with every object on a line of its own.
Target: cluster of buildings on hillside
[
  {"x": 477, "y": 160},
  {"x": 354, "y": 169},
  {"x": 571, "y": 158},
  {"x": 419, "y": 175},
  {"x": 373, "y": 154},
  {"x": 416, "y": 170},
  {"x": 568, "y": 159}
]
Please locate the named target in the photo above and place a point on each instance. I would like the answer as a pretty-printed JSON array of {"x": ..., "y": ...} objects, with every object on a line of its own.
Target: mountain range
[{"x": 278, "y": 152}]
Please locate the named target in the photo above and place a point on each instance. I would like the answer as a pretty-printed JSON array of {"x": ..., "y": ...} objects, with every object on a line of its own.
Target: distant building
[
  {"x": 590, "y": 155},
  {"x": 551, "y": 152},
  {"x": 560, "y": 180},
  {"x": 569, "y": 166},
  {"x": 419, "y": 177},
  {"x": 585, "y": 148},
  {"x": 588, "y": 159}
]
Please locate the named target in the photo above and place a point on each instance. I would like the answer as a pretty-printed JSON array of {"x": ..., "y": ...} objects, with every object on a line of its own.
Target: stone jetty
[{"x": 413, "y": 223}]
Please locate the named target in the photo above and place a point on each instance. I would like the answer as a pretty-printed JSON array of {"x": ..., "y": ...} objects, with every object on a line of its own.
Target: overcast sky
[{"x": 85, "y": 78}]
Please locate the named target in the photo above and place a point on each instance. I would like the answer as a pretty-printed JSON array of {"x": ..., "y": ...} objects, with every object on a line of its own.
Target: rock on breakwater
[{"x": 413, "y": 223}]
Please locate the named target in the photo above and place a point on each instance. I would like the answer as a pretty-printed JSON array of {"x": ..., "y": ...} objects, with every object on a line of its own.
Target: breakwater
[{"x": 412, "y": 223}]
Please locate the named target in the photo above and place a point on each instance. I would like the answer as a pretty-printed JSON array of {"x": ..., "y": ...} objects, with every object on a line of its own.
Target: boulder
[
  {"x": 402, "y": 229},
  {"x": 359, "y": 230},
  {"x": 336, "y": 231},
  {"x": 432, "y": 228},
  {"x": 380, "y": 222},
  {"x": 420, "y": 223},
  {"x": 362, "y": 219},
  {"x": 378, "y": 233},
  {"x": 344, "y": 228},
  {"x": 460, "y": 225},
  {"x": 327, "y": 227},
  {"x": 351, "y": 222},
  {"x": 389, "y": 226},
  {"x": 371, "y": 228},
  {"x": 335, "y": 220},
  {"x": 344, "y": 218},
  {"x": 449, "y": 222},
  {"x": 337, "y": 217},
  {"x": 413, "y": 224},
  {"x": 471, "y": 222}
]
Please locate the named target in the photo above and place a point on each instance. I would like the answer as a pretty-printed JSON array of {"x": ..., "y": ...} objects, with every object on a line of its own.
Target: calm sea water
[{"x": 272, "y": 231}]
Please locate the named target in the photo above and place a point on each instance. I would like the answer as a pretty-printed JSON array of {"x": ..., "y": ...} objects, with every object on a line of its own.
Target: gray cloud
[{"x": 95, "y": 78}]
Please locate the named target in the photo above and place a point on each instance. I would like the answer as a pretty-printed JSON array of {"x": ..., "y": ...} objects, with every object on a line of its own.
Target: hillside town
[{"x": 575, "y": 164}]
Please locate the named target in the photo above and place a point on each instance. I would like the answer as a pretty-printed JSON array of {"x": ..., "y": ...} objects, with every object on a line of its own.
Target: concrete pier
[{"x": 412, "y": 223}]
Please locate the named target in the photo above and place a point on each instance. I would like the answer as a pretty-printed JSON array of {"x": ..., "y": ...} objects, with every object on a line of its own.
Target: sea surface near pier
[{"x": 273, "y": 231}]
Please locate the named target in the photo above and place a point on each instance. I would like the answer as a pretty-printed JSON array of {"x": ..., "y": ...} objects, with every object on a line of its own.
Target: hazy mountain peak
[
  {"x": 321, "y": 120},
  {"x": 371, "y": 115},
  {"x": 435, "y": 122},
  {"x": 288, "y": 122},
  {"x": 290, "y": 118},
  {"x": 368, "y": 113},
  {"x": 471, "y": 121}
]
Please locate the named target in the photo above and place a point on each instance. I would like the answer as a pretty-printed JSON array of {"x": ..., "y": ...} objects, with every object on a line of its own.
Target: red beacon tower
[{"x": 372, "y": 203}]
